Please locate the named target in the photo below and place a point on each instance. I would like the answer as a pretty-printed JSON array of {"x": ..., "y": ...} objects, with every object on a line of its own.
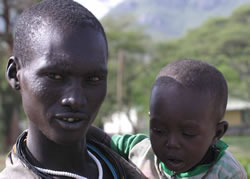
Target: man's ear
[
  {"x": 12, "y": 69},
  {"x": 221, "y": 129}
]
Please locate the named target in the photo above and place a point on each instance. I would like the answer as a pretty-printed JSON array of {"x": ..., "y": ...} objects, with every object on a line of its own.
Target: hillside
[{"x": 164, "y": 19}]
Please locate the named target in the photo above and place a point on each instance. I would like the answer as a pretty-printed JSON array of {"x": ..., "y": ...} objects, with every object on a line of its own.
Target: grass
[
  {"x": 2, "y": 161},
  {"x": 240, "y": 147},
  {"x": 245, "y": 162}
]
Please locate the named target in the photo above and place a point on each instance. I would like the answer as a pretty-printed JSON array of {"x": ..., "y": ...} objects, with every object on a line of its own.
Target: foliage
[
  {"x": 162, "y": 18},
  {"x": 245, "y": 162},
  {"x": 223, "y": 42},
  {"x": 127, "y": 65},
  {"x": 2, "y": 162},
  {"x": 240, "y": 147},
  {"x": 9, "y": 100}
]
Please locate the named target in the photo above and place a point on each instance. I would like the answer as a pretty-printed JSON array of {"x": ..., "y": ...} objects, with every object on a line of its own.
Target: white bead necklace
[{"x": 72, "y": 175}]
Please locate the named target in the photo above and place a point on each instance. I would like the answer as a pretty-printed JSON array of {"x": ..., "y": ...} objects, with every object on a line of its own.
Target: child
[
  {"x": 187, "y": 105},
  {"x": 60, "y": 69}
]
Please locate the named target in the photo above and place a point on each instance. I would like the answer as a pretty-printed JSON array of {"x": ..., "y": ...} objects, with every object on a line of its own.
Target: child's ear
[
  {"x": 12, "y": 72},
  {"x": 221, "y": 129}
]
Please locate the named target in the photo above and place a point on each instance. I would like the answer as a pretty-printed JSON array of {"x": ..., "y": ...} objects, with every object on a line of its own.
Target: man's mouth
[{"x": 69, "y": 121}]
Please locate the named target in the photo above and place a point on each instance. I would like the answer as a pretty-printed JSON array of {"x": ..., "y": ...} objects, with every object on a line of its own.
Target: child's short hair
[
  {"x": 199, "y": 76},
  {"x": 57, "y": 13}
]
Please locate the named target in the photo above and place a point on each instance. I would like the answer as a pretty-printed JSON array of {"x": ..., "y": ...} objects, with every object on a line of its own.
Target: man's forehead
[{"x": 73, "y": 38}]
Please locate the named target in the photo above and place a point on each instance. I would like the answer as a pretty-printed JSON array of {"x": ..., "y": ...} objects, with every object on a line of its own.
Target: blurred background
[{"x": 144, "y": 36}]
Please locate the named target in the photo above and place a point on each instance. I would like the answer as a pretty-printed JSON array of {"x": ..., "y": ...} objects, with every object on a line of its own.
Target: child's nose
[{"x": 172, "y": 141}]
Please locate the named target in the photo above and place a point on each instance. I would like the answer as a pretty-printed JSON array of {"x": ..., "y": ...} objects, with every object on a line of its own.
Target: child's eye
[
  {"x": 55, "y": 76},
  {"x": 189, "y": 135},
  {"x": 158, "y": 131}
]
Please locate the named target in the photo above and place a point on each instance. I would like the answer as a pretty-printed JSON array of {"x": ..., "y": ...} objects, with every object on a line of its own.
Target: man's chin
[{"x": 68, "y": 139}]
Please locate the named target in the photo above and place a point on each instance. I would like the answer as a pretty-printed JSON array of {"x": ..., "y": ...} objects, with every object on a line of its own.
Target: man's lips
[
  {"x": 71, "y": 117},
  {"x": 71, "y": 121}
]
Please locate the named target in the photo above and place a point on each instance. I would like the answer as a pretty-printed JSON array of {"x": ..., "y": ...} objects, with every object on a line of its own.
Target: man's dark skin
[{"x": 65, "y": 80}]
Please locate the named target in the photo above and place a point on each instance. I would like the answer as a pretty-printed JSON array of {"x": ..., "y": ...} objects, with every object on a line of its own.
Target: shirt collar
[{"x": 197, "y": 170}]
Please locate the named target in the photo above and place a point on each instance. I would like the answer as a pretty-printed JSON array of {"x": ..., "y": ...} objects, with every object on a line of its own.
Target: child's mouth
[{"x": 174, "y": 164}]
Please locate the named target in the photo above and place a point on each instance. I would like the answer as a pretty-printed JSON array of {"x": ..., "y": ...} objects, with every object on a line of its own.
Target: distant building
[{"x": 238, "y": 112}]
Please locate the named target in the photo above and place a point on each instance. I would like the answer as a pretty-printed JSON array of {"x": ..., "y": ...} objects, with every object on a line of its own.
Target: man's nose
[{"x": 74, "y": 98}]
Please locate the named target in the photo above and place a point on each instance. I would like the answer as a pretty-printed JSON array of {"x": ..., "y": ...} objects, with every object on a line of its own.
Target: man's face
[
  {"x": 181, "y": 126},
  {"x": 64, "y": 85}
]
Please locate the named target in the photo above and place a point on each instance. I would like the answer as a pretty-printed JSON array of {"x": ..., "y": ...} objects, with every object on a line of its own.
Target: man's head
[
  {"x": 187, "y": 105},
  {"x": 33, "y": 23},
  {"x": 60, "y": 67}
]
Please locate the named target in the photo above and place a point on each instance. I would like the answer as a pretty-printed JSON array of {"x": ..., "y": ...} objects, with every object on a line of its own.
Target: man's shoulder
[
  {"x": 15, "y": 168},
  {"x": 126, "y": 170}
]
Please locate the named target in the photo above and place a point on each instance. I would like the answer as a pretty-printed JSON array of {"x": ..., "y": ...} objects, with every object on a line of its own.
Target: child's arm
[{"x": 123, "y": 144}]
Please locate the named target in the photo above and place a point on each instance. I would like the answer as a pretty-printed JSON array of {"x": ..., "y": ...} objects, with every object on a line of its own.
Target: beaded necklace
[
  {"x": 19, "y": 147},
  {"x": 72, "y": 175}
]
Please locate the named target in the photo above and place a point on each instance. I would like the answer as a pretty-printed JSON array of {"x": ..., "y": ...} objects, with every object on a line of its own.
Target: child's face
[
  {"x": 181, "y": 126},
  {"x": 65, "y": 83}
]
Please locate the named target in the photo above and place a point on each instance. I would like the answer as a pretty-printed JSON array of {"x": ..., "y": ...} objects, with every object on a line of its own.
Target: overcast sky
[{"x": 99, "y": 7}]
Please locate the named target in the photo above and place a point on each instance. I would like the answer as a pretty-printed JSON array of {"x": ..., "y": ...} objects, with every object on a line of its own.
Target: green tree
[
  {"x": 223, "y": 42},
  {"x": 129, "y": 50},
  {"x": 10, "y": 103},
  {"x": 134, "y": 61}
]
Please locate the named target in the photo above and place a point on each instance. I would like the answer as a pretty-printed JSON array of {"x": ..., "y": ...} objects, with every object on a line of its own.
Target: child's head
[
  {"x": 187, "y": 105},
  {"x": 60, "y": 68}
]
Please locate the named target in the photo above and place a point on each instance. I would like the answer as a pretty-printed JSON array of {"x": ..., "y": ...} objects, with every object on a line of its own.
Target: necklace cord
[
  {"x": 45, "y": 173},
  {"x": 72, "y": 175},
  {"x": 21, "y": 155}
]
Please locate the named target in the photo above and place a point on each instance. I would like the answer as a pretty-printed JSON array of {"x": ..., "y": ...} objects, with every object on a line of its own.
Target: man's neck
[{"x": 50, "y": 155}]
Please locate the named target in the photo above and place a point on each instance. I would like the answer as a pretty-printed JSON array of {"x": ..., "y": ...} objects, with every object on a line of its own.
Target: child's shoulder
[
  {"x": 143, "y": 144},
  {"x": 229, "y": 166}
]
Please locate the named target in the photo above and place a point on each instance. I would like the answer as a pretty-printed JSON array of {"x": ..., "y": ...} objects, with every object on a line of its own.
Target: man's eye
[
  {"x": 55, "y": 76},
  {"x": 94, "y": 78}
]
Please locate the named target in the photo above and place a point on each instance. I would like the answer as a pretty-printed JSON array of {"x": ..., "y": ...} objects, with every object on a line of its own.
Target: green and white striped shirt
[{"x": 137, "y": 149}]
